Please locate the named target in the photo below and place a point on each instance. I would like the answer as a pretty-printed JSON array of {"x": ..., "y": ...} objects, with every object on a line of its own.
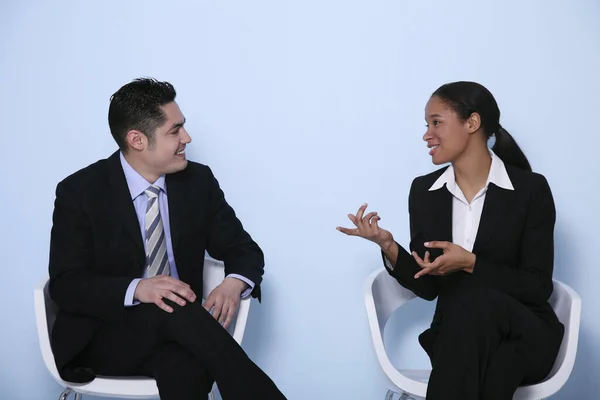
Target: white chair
[
  {"x": 384, "y": 295},
  {"x": 128, "y": 387}
]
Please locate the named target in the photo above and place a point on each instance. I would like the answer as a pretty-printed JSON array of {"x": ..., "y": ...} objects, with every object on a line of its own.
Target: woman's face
[{"x": 446, "y": 136}]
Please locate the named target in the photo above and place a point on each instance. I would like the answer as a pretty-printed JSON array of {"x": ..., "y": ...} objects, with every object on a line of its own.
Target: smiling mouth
[
  {"x": 433, "y": 148},
  {"x": 180, "y": 152}
]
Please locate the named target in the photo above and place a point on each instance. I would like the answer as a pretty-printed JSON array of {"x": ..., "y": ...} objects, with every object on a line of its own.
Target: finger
[
  {"x": 361, "y": 211},
  {"x": 367, "y": 218},
  {"x": 160, "y": 303},
  {"x": 375, "y": 221},
  {"x": 351, "y": 232},
  {"x": 353, "y": 219},
  {"x": 173, "y": 297},
  {"x": 419, "y": 260},
  {"x": 424, "y": 271},
  {"x": 209, "y": 303},
  {"x": 217, "y": 310},
  {"x": 184, "y": 291},
  {"x": 426, "y": 259},
  {"x": 437, "y": 245},
  {"x": 229, "y": 318},
  {"x": 224, "y": 313},
  {"x": 176, "y": 286}
]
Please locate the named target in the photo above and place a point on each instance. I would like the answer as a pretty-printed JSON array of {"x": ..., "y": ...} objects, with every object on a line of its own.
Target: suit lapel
[
  {"x": 121, "y": 198},
  {"x": 497, "y": 202},
  {"x": 178, "y": 206}
]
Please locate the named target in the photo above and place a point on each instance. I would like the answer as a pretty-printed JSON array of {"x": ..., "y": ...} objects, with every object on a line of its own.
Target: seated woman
[{"x": 482, "y": 242}]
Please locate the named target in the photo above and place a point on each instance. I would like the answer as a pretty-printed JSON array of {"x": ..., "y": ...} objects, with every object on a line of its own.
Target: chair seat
[
  {"x": 131, "y": 387},
  {"x": 419, "y": 375}
]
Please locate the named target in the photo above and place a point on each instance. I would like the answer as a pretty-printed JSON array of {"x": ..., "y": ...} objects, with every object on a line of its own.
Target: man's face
[{"x": 166, "y": 154}]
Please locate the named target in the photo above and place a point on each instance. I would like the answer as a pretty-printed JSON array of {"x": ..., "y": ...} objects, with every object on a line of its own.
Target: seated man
[{"x": 127, "y": 252}]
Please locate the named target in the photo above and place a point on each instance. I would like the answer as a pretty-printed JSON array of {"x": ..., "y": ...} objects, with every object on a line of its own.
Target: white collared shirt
[{"x": 465, "y": 216}]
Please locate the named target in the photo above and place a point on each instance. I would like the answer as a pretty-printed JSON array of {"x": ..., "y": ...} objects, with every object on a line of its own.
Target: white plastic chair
[
  {"x": 384, "y": 295},
  {"x": 121, "y": 387}
]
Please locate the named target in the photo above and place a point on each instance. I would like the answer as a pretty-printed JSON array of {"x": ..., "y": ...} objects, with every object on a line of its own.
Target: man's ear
[{"x": 136, "y": 140}]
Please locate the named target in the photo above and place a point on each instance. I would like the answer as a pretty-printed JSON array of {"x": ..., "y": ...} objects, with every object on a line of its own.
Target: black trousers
[
  {"x": 488, "y": 344},
  {"x": 184, "y": 351}
]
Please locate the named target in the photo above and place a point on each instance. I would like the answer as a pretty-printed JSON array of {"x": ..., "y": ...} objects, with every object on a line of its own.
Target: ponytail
[{"x": 508, "y": 150}]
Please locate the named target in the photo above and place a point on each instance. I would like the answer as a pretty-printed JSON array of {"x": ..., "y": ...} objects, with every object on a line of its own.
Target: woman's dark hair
[{"x": 466, "y": 98}]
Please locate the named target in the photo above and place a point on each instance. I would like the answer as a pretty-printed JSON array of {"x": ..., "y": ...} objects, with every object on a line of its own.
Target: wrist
[
  {"x": 240, "y": 284},
  {"x": 470, "y": 263},
  {"x": 387, "y": 245}
]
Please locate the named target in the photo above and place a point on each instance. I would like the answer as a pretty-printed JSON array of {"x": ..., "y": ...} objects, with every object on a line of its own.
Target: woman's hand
[
  {"x": 367, "y": 228},
  {"x": 454, "y": 258}
]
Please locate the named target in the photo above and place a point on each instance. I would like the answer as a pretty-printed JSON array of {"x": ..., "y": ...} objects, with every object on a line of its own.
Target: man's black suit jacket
[
  {"x": 96, "y": 248},
  {"x": 514, "y": 246}
]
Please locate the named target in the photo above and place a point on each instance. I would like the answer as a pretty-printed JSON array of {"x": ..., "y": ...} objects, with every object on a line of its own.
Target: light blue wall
[{"x": 304, "y": 110}]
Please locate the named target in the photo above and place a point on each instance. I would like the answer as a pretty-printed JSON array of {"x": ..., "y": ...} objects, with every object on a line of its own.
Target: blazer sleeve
[
  {"x": 530, "y": 281},
  {"x": 229, "y": 242},
  {"x": 74, "y": 284},
  {"x": 427, "y": 286}
]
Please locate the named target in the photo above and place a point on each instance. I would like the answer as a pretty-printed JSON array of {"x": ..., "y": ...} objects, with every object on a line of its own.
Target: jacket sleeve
[
  {"x": 427, "y": 286},
  {"x": 229, "y": 242},
  {"x": 75, "y": 285},
  {"x": 530, "y": 281}
]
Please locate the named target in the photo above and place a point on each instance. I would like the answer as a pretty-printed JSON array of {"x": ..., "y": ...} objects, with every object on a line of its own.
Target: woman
[{"x": 482, "y": 243}]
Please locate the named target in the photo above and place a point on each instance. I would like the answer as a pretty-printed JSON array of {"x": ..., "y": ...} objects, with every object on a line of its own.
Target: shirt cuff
[
  {"x": 246, "y": 292},
  {"x": 388, "y": 263},
  {"x": 130, "y": 292}
]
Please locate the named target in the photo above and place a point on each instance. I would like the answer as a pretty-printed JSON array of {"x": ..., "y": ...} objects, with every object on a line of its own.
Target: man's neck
[{"x": 140, "y": 168}]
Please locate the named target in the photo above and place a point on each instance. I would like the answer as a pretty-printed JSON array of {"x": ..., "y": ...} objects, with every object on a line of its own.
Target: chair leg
[
  {"x": 65, "y": 394},
  {"x": 402, "y": 396}
]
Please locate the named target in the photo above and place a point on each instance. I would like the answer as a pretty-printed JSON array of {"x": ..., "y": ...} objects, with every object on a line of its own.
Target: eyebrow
[
  {"x": 434, "y": 116},
  {"x": 177, "y": 126}
]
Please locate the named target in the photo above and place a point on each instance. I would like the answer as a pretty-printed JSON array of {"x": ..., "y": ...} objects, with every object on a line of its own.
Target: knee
[
  {"x": 191, "y": 314},
  {"x": 180, "y": 314}
]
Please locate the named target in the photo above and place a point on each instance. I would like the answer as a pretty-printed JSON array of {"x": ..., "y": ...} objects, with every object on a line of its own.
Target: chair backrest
[
  {"x": 214, "y": 273},
  {"x": 388, "y": 295},
  {"x": 567, "y": 307}
]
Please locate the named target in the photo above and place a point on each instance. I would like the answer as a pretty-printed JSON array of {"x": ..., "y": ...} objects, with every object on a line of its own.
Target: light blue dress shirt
[{"x": 137, "y": 185}]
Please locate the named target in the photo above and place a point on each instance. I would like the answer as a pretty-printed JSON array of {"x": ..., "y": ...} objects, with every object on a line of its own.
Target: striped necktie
[{"x": 157, "y": 260}]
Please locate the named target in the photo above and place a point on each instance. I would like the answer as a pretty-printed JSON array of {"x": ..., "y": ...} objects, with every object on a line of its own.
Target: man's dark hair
[{"x": 137, "y": 105}]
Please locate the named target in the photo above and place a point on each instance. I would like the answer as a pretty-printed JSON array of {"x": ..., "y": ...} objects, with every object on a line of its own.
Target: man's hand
[
  {"x": 454, "y": 258},
  {"x": 153, "y": 290},
  {"x": 367, "y": 227},
  {"x": 224, "y": 300}
]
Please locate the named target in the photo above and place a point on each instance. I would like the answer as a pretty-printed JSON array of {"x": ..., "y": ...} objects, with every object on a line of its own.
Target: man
[{"x": 127, "y": 250}]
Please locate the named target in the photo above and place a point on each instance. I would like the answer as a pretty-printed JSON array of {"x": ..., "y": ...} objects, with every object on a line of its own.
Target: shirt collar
[
  {"x": 136, "y": 183},
  {"x": 498, "y": 176}
]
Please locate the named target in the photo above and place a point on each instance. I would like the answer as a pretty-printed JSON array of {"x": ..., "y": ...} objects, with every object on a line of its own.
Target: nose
[
  {"x": 427, "y": 136},
  {"x": 186, "y": 138}
]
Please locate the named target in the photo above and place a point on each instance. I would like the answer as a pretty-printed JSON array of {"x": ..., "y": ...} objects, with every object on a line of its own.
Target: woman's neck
[{"x": 471, "y": 171}]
